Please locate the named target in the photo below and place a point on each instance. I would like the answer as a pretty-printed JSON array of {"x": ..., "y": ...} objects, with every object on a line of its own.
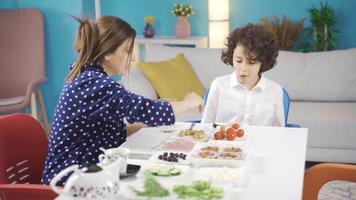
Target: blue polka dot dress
[{"x": 90, "y": 114}]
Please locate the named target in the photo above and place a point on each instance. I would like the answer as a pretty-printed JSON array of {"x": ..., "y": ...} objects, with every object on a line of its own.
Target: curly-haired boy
[{"x": 247, "y": 96}]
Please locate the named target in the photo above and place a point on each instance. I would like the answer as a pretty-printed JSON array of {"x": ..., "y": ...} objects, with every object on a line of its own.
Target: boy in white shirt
[{"x": 246, "y": 96}]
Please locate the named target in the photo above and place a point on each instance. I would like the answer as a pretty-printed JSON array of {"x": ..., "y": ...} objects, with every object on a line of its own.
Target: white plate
[
  {"x": 175, "y": 145},
  {"x": 237, "y": 176},
  {"x": 177, "y": 126},
  {"x": 243, "y": 138},
  {"x": 196, "y": 160},
  {"x": 176, "y": 135},
  {"x": 154, "y": 158},
  {"x": 183, "y": 170},
  {"x": 207, "y": 128}
]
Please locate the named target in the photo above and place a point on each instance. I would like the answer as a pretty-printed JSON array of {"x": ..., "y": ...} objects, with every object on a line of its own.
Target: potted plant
[
  {"x": 183, "y": 12},
  {"x": 149, "y": 31},
  {"x": 286, "y": 31},
  {"x": 322, "y": 32}
]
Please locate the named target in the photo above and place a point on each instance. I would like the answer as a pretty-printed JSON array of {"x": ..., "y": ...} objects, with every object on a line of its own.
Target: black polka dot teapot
[
  {"x": 114, "y": 160},
  {"x": 88, "y": 183}
]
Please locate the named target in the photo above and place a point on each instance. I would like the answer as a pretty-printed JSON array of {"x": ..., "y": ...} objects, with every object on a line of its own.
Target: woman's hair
[
  {"x": 257, "y": 42},
  {"x": 97, "y": 39}
]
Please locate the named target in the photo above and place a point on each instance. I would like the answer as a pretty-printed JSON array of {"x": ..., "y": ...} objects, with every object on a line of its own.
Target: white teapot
[
  {"x": 87, "y": 183},
  {"x": 114, "y": 160}
]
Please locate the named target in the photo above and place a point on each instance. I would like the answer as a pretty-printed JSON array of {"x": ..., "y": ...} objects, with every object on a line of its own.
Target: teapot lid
[{"x": 92, "y": 168}]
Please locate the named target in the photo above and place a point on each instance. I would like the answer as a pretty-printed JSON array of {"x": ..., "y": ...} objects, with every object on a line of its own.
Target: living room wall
[
  {"x": 241, "y": 12},
  {"x": 60, "y": 29},
  {"x": 59, "y": 36}
]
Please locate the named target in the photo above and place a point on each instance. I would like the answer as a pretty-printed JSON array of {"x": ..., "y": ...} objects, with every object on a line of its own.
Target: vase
[
  {"x": 148, "y": 31},
  {"x": 182, "y": 27}
]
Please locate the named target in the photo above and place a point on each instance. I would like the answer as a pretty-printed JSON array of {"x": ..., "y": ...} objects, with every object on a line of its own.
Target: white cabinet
[{"x": 193, "y": 41}]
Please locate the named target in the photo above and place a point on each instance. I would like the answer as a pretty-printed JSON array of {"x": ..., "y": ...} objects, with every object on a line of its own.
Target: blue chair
[
  {"x": 286, "y": 104},
  {"x": 206, "y": 96}
]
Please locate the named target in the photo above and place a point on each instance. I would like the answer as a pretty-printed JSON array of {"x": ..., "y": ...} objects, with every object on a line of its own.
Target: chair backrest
[
  {"x": 286, "y": 104},
  {"x": 26, "y": 192},
  {"x": 206, "y": 94},
  {"x": 318, "y": 175},
  {"x": 23, "y": 148},
  {"x": 21, "y": 50}
]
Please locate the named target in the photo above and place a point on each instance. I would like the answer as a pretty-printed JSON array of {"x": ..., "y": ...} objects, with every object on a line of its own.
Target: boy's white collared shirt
[{"x": 229, "y": 101}]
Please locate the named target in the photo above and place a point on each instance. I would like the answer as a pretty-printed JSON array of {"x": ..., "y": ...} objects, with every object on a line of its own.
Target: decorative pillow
[
  {"x": 138, "y": 84},
  {"x": 172, "y": 79}
]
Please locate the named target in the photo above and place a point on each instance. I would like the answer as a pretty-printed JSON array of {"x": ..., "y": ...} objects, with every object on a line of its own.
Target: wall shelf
[{"x": 195, "y": 41}]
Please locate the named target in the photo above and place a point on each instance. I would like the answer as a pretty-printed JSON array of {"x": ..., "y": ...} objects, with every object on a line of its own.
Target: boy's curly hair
[{"x": 255, "y": 41}]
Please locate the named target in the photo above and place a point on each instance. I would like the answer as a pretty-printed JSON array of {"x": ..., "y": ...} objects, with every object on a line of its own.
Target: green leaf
[
  {"x": 322, "y": 16},
  {"x": 152, "y": 188},
  {"x": 149, "y": 19}
]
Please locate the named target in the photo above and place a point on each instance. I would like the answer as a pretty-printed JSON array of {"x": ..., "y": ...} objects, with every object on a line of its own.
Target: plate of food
[
  {"x": 173, "y": 157},
  {"x": 150, "y": 187},
  {"x": 164, "y": 170},
  {"x": 219, "y": 154},
  {"x": 233, "y": 132},
  {"x": 236, "y": 176},
  {"x": 196, "y": 131},
  {"x": 176, "y": 145}
]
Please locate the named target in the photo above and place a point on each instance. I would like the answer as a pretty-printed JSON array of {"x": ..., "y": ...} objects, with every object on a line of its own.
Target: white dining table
[{"x": 276, "y": 160}]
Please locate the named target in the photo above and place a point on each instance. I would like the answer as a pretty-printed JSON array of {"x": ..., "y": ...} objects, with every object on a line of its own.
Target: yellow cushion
[{"x": 172, "y": 79}]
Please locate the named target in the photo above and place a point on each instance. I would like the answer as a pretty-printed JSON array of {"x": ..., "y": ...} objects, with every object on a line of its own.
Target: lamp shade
[
  {"x": 218, "y": 22},
  {"x": 218, "y": 10},
  {"x": 218, "y": 31}
]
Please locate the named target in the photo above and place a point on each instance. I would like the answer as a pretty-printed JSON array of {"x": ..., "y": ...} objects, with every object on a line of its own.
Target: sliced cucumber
[
  {"x": 163, "y": 173},
  {"x": 168, "y": 167},
  {"x": 175, "y": 172},
  {"x": 168, "y": 170},
  {"x": 154, "y": 171}
]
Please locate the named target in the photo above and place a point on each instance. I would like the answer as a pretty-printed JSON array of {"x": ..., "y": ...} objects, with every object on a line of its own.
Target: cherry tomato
[
  {"x": 235, "y": 126},
  {"x": 240, "y": 133},
  {"x": 222, "y": 135},
  {"x": 231, "y": 136},
  {"x": 217, "y": 136},
  {"x": 229, "y": 131}
]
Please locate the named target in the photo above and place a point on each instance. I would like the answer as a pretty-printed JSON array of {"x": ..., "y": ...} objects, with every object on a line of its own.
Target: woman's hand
[
  {"x": 190, "y": 101},
  {"x": 194, "y": 100},
  {"x": 133, "y": 128}
]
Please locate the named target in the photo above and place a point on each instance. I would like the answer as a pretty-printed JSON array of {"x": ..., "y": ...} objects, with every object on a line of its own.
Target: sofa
[{"x": 321, "y": 85}]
